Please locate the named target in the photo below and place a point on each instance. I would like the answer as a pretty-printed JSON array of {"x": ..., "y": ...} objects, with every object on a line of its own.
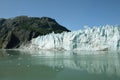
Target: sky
[{"x": 73, "y": 14}]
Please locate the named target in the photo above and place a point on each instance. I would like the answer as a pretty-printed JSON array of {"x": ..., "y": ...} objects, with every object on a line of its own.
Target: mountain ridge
[{"x": 19, "y": 30}]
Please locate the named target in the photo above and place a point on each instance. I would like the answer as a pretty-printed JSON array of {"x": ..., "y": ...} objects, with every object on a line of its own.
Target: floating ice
[{"x": 96, "y": 38}]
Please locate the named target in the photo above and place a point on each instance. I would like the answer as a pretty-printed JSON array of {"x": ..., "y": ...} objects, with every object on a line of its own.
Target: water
[{"x": 59, "y": 65}]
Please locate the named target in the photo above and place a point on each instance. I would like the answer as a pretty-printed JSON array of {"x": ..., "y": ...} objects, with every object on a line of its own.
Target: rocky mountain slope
[{"x": 17, "y": 31}]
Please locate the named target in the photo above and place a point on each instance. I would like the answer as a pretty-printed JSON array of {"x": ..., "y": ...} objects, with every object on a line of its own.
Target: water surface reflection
[{"x": 59, "y": 65}]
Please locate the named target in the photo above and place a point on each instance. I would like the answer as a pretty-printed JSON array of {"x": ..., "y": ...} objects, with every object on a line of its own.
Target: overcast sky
[{"x": 73, "y": 14}]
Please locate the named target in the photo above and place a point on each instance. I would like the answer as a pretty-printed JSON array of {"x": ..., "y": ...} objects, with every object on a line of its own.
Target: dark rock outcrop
[{"x": 17, "y": 31}]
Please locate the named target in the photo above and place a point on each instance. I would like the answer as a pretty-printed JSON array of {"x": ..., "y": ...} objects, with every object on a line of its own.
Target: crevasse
[{"x": 95, "y": 38}]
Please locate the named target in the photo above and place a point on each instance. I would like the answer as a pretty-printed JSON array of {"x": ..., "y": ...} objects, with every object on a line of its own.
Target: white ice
[{"x": 95, "y": 38}]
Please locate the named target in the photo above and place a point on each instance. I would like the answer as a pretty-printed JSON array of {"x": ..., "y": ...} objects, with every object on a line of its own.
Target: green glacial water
[{"x": 59, "y": 65}]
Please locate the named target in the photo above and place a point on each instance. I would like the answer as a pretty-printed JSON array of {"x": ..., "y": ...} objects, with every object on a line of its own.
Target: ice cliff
[{"x": 95, "y": 38}]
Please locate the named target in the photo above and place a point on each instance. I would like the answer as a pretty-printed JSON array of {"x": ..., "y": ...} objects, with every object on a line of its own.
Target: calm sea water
[{"x": 59, "y": 65}]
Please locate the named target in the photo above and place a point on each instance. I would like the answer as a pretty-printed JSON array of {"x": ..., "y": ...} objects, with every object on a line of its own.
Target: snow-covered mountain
[{"x": 95, "y": 38}]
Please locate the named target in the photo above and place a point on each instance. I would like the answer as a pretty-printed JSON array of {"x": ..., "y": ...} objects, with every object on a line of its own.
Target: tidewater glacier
[{"x": 91, "y": 38}]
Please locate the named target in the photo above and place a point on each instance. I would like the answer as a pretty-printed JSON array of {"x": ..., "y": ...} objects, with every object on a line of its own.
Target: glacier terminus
[{"x": 91, "y": 38}]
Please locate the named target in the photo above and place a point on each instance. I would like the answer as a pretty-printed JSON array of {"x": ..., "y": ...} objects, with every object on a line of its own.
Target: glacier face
[{"x": 95, "y": 38}]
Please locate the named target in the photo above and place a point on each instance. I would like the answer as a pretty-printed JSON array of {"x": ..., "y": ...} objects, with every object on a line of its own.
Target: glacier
[{"x": 91, "y": 38}]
